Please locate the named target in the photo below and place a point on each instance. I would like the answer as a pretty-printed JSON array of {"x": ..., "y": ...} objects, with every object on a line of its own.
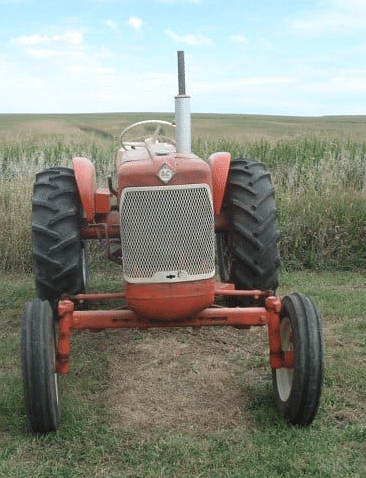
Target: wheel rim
[{"x": 284, "y": 376}]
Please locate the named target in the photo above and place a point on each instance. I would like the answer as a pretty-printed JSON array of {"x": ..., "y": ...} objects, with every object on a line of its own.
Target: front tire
[
  {"x": 41, "y": 383},
  {"x": 297, "y": 391}
]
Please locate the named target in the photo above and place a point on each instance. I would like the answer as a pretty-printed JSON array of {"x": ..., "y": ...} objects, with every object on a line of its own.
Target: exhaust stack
[{"x": 182, "y": 111}]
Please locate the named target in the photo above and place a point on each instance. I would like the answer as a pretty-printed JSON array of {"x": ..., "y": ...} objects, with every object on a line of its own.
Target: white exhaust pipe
[{"x": 182, "y": 111}]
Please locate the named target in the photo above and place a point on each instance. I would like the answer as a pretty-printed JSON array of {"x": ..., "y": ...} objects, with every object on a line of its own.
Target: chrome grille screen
[{"x": 167, "y": 233}]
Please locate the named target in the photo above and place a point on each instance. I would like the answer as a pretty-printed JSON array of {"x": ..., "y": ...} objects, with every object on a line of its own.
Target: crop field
[
  {"x": 317, "y": 166},
  {"x": 196, "y": 403}
]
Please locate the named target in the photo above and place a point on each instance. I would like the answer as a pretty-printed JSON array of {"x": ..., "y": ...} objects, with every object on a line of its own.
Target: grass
[{"x": 225, "y": 425}]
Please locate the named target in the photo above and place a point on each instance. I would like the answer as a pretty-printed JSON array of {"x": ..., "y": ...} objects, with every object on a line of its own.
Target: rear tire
[
  {"x": 41, "y": 384},
  {"x": 59, "y": 256},
  {"x": 248, "y": 253},
  {"x": 297, "y": 391}
]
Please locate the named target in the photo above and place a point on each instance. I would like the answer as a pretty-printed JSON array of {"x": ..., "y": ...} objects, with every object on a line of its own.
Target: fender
[
  {"x": 87, "y": 186},
  {"x": 220, "y": 165}
]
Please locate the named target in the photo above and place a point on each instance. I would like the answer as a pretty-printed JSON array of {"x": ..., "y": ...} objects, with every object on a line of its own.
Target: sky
[{"x": 273, "y": 57}]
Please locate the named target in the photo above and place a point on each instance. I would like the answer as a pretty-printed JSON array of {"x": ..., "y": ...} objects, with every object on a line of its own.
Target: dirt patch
[{"x": 185, "y": 380}]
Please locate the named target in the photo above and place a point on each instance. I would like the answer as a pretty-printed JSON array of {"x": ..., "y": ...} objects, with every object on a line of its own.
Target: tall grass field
[{"x": 318, "y": 168}]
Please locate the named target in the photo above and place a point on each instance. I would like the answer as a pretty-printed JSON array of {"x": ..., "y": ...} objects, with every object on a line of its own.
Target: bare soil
[{"x": 186, "y": 380}]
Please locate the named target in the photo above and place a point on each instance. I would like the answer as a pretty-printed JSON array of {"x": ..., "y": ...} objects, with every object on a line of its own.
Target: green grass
[{"x": 260, "y": 445}]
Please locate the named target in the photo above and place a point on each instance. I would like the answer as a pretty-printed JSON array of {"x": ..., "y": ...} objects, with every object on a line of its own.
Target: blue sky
[{"x": 281, "y": 57}]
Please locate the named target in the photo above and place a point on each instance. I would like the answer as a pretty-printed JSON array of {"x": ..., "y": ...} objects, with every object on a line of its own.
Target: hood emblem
[{"x": 165, "y": 174}]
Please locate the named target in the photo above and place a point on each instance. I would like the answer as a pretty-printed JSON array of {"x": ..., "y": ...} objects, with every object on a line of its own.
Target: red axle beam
[
  {"x": 240, "y": 317},
  {"x": 104, "y": 319}
]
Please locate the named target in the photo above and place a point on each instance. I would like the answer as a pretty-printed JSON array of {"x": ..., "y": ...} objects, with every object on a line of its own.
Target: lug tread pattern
[
  {"x": 253, "y": 217},
  {"x": 56, "y": 215}
]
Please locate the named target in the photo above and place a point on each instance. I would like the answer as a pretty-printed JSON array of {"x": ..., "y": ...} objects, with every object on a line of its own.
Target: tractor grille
[{"x": 167, "y": 233}]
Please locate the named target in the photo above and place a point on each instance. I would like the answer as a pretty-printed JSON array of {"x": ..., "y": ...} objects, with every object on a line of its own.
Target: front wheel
[
  {"x": 297, "y": 391},
  {"x": 41, "y": 384}
]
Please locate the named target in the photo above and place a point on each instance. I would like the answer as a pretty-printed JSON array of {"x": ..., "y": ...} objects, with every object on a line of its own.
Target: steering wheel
[{"x": 146, "y": 141}]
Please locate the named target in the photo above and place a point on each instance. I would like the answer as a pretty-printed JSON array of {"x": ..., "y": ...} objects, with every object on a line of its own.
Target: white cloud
[
  {"x": 350, "y": 5},
  {"x": 111, "y": 24},
  {"x": 66, "y": 44},
  {"x": 344, "y": 82},
  {"x": 336, "y": 16},
  {"x": 31, "y": 39},
  {"x": 43, "y": 52},
  {"x": 239, "y": 39},
  {"x": 189, "y": 39},
  {"x": 135, "y": 23},
  {"x": 104, "y": 53},
  {"x": 39, "y": 83},
  {"x": 84, "y": 70},
  {"x": 266, "y": 80},
  {"x": 349, "y": 85},
  {"x": 322, "y": 22},
  {"x": 71, "y": 37}
]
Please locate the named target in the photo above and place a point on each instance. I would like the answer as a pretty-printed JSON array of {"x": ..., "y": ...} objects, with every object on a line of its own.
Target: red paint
[
  {"x": 166, "y": 301},
  {"x": 220, "y": 165},
  {"x": 187, "y": 169},
  {"x": 86, "y": 183},
  {"x": 102, "y": 201}
]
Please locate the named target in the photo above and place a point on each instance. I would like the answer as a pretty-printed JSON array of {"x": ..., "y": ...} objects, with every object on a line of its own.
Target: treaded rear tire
[
  {"x": 297, "y": 391},
  {"x": 248, "y": 253},
  {"x": 58, "y": 255},
  {"x": 41, "y": 384}
]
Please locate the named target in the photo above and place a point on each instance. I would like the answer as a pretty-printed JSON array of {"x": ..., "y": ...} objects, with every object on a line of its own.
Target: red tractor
[{"x": 174, "y": 216}]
